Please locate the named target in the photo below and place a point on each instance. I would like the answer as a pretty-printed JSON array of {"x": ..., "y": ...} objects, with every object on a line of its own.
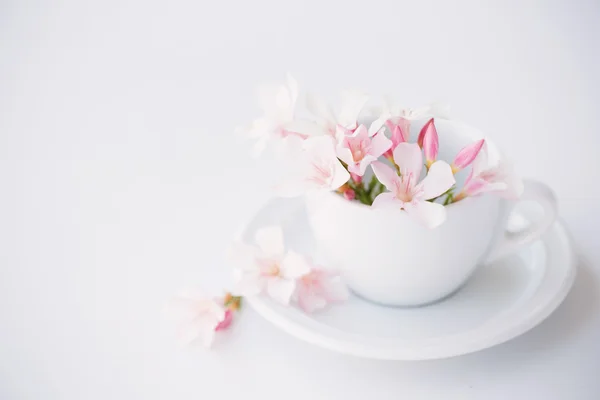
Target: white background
[{"x": 122, "y": 182}]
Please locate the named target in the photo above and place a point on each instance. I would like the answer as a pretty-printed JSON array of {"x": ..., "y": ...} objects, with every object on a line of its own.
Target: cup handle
[{"x": 512, "y": 241}]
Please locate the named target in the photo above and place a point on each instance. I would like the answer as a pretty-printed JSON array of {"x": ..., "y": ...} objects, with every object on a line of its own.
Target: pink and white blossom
[
  {"x": 198, "y": 317},
  {"x": 279, "y": 121},
  {"x": 333, "y": 124},
  {"x": 407, "y": 191},
  {"x": 318, "y": 288},
  {"x": 467, "y": 155},
  {"x": 314, "y": 167},
  {"x": 400, "y": 133},
  {"x": 486, "y": 177},
  {"x": 267, "y": 267},
  {"x": 361, "y": 148}
]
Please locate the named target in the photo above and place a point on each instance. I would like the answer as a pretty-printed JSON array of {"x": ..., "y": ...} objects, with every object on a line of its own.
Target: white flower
[
  {"x": 335, "y": 125},
  {"x": 198, "y": 317},
  {"x": 318, "y": 288},
  {"x": 279, "y": 121},
  {"x": 314, "y": 167},
  {"x": 267, "y": 268}
]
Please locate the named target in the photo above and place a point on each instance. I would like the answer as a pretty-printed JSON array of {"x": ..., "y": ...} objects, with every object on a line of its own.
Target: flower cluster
[
  {"x": 379, "y": 165},
  {"x": 334, "y": 151},
  {"x": 286, "y": 276},
  {"x": 265, "y": 268}
]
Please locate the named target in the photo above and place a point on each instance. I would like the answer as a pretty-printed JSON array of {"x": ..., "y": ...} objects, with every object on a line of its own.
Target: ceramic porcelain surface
[{"x": 499, "y": 302}]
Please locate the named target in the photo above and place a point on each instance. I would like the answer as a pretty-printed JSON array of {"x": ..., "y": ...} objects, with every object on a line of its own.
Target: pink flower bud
[
  {"x": 422, "y": 133},
  {"x": 226, "y": 321},
  {"x": 467, "y": 155},
  {"x": 356, "y": 178},
  {"x": 349, "y": 194},
  {"x": 430, "y": 142}
]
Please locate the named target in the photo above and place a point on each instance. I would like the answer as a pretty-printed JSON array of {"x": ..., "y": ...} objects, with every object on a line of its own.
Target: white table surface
[{"x": 122, "y": 182}]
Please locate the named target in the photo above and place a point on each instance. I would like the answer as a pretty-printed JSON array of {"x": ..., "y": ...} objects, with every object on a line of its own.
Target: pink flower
[
  {"x": 318, "y": 288},
  {"x": 467, "y": 155},
  {"x": 499, "y": 178},
  {"x": 198, "y": 317},
  {"x": 407, "y": 193},
  {"x": 400, "y": 129},
  {"x": 314, "y": 167},
  {"x": 267, "y": 267},
  {"x": 361, "y": 149}
]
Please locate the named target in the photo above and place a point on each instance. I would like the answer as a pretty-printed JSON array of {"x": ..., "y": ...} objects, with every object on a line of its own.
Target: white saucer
[{"x": 501, "y": 301}]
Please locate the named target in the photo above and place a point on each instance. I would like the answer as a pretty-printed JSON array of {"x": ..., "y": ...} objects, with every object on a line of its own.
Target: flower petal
[
  {"x": 310, "y": 301},
  {"x": 352, "y": 104},
  {"x": 320, "y": 148},
  {"x": 248, "y": 283},
  {"x": 408, "y": 158},
  {"x": 270, "y": 241},
  {"x": 427, "y": 213},
  {"x": 378, "y": 123},
  {"x": 360, "y": 168},
  {"x": 467, "y": 155},
  {"x": 400, "y": 134},
  {"x": 431, "y": 142},
  {"x": 427, "y": 127},
  {"x": 379, "y": 145},
  {"x": 386, "y": 175},
  {"x": 334, "y": 289},
  {"x": 340, "y": 175},
  {"x": 281, "y": 289},
  {"x": 188, "y": 305},
  {"x": 360, "y": 132},
  {"x": 303, "y": 128},
  {"x": 201, "y": 329},
  {"x": 345, "y": 154},
  {"x": 387, "y": 200},
  {"x": 439, "y": 179},
  {"x": 294, "y": 266}
]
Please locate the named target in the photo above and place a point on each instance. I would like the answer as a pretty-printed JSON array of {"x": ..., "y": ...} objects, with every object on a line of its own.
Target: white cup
[{"x": 388, "y": 258}]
